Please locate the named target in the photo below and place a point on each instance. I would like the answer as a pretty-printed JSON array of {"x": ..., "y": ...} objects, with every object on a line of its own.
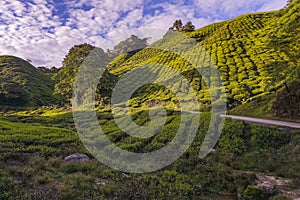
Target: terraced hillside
[
  {"x": 256, "y": 54},
  {"x": 21, "y": 84}
]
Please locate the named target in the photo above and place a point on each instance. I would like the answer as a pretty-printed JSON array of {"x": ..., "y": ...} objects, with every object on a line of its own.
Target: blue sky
[{"x": 44, "y": 30}]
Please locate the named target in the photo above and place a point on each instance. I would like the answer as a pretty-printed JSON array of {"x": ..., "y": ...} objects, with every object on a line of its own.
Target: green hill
[
  {"x": 256, "y": 54},
  {"x": 23, "y": 85}
]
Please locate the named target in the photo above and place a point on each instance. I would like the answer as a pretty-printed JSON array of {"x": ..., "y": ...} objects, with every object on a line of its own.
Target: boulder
[
  {"x": 101, "y": 183},
  {"x": 76, "y": 158}
]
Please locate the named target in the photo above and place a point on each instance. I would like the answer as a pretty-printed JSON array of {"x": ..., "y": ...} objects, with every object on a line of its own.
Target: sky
[{"x": 44, "y": 30}]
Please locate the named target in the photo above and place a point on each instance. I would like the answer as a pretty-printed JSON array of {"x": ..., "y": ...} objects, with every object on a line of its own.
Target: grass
[
  {"x": 258, "y": 107},
  {"x": 33, "y": 148}
]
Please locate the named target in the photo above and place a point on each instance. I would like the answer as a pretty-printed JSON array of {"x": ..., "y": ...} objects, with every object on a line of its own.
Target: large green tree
[
  {"x": 177, "y": 25},
  {"x": 65, "y": 77}
]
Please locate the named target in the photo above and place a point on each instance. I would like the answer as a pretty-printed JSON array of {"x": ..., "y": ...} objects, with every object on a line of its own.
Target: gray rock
[
  {"x": 76, "y": 158},
  {"x": 101, "y": 183}
]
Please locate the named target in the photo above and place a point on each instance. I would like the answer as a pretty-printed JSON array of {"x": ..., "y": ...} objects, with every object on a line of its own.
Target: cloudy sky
[{"x": 44, "y": 30}]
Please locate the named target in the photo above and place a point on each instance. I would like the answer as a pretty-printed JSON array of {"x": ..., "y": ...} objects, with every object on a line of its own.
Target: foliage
[
  {"x": 177, "y": 25},
  {"x": 34, "y": 143},
  {"x": 253, "y": 193},
  {"x": 65, "y": 77},
  {"x": 8, "y": 189},
  {"x": 133, "y": 43},
  {"x": 76, "y": 58},
  {"x": 232, "y": 140},
  {"x": 250, "y": 57},
  {"x": 23, "y": 85},
  {"x": 281, "y": 197},
  {"x": 188, "y": 27},
  {"x": 264, "y": 137}
]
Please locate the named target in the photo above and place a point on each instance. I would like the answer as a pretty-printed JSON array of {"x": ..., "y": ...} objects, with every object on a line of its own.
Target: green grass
[
  {"x": 33, "y": 148},
  {"x": 258, "y": 107},
  {"x": 19, "y": 137}
]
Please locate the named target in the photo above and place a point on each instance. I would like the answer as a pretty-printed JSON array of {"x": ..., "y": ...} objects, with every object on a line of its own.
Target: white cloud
[
  {"x": 31, "y": 31},
  {"x": 275, "y": 5},
  {"x": 228, "y": 9},
  {"x": 24, "y": 28}
]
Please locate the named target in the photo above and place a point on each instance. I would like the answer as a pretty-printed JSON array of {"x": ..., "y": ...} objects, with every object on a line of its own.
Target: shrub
[
  {"x": 231, "y": 140},
  {"x": 280, "y": 197}
]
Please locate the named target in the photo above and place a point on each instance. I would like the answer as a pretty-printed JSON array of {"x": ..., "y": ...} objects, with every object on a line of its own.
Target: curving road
[
  {"x": 268, "y": 122},
  {"x": 265, "y": 121}
]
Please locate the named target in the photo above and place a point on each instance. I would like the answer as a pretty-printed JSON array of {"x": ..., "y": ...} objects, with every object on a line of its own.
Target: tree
[
  {"x": 289, "y": 2},
  {"x": 105, "y": 87},
  {"x": 133, "y": 43},
  {"x": 66, "y": 75},
  {"x": 267, "y": 138},
  {"x": 54, "y": 69},
  {"x": 188, "y": 27},
  {"x": 177, "y": 25}
]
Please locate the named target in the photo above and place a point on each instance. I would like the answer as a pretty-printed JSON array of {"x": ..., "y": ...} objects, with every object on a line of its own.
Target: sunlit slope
[{"x": 251, "y": 63}]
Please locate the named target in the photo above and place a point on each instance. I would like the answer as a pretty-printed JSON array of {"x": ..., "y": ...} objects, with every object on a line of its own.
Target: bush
[
  {"x": 8, "y": 189},
  {"x": 280, "y": 197},
  {"x": 231, "y": 140},
  {"x": 266, "y": 137},
  {"x": 252, "y": 193}
]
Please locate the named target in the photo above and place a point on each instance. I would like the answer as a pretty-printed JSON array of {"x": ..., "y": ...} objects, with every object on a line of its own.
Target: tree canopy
[
  {"x": 178, "y": 26},
  {"x": 132, "y": 43},
  {"x": 188, "y": 27},
  {"x": 65, "y": 77}
]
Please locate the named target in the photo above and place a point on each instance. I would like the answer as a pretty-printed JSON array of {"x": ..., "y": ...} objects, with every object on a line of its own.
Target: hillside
[
  {"x": 23, "y": 85},
  {"x": 256, "y": 54}
]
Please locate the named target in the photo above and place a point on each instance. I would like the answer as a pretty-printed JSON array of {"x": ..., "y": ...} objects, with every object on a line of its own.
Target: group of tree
[
  {"x": 77, "y": 55},
  {"x": 51, "y": 70},
  {"x": 178, "y": 26}
]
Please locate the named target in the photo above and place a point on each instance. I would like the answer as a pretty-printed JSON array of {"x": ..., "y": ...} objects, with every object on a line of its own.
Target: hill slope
[
  {"x": 256, "y": 54},
  {"x": 23, "y": 85}
]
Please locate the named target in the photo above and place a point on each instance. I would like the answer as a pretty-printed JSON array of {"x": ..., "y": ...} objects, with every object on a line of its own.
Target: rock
[
  {"x": 198, "y": 188},
  {"x": 127, "y": 176},
  {"x": 101, "y": 183},
  {"x": 76, "y": 158},
  {"x": 271, "y": 183},
  {"x": 212, "y": 150},
  {"x": 278, "y": 185}
]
